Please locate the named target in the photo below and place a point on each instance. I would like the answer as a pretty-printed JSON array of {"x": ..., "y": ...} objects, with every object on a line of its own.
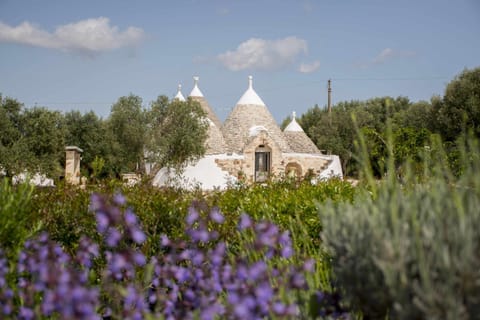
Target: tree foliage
[
  {"x": 127, "y": 125},
  {"x": 43, "y": 131},
  {"x": 411, "y": 124},
  {"x": 31, "y": 140},
  {"x": 460, "y": 107},
  {"x": 89, "y": 132},
  {"x": 177, "y": 132},
  {"x": 12, "y": 151}
]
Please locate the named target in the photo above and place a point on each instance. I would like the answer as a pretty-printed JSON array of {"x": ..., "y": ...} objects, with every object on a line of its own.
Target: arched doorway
[
  {"x": 263, "y": 159},
  {"x": 293, "y": 170}
]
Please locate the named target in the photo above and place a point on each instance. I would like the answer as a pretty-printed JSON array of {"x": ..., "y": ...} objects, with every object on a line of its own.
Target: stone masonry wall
[{"x": 244, "y": 168}]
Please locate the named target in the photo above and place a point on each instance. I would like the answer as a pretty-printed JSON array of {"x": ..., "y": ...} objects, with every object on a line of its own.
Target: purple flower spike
[
  {"x": 192, "y": 216},
  {"x": 130, "y": 217},
  {"x": 309, "y": 265},
  {"x": 139, "y": 259},
  {"x": 113, "y": 237},
  {"x": 164, "y": 241},
  {"x": 102, "y": 221},
  {"x": 138, "y": 236},
  {"x": 245, "y": 222},
  {"x": 119, "y": 199},
  {"x": 279, "y": 308},
  {"x": 286, "y": 252},
  {"x": 216, "y": 216},
  {"x": 26, "y": 313}
]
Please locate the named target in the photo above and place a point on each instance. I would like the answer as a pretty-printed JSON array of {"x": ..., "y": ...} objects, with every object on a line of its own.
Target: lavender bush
[{"x": 194, "y": 277}]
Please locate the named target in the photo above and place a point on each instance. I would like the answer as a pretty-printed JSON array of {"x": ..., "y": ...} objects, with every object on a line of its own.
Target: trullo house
[{"x": 250, "y": 146}]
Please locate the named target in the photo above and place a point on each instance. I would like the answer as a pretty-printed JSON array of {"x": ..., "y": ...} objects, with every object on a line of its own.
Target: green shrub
[
  {"x": 410, "y": 250},
  {"x": 284, "y": 202},
  {"x": 16, "y": 220}
]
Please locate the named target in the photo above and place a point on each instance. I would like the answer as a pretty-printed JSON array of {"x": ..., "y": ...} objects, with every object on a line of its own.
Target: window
[{"x": 262, "y": 163}]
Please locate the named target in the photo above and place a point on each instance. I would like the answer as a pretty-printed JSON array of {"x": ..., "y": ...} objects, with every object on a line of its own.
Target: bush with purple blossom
[{"x": 197, "y": 276}]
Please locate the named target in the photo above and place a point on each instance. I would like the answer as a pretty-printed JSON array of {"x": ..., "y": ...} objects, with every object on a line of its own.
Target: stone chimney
[{"x": 72, "y": 165}]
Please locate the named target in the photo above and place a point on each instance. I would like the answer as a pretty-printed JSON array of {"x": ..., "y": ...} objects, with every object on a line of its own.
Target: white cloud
[
  {"x": 309, "y": 67},
  {"x": 386, "y": 55},
  {"x": 90, "y": 36},
  {"x": 260, "y": 54}
]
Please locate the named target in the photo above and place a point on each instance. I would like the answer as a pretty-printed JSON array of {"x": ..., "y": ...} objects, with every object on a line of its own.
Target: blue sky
[{"x": 84, "y": 55}]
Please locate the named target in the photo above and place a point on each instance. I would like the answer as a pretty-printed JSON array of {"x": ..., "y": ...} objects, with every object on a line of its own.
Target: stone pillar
[{"x": 72, "y": 165}]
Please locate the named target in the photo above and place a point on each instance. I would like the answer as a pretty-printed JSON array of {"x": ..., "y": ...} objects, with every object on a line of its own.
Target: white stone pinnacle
[
  {"x": 250, "y": 96},
  {"x": 196, "y": 91},
  {"x": 293, "y": 125},
  {"x": 179, "y": 94}
]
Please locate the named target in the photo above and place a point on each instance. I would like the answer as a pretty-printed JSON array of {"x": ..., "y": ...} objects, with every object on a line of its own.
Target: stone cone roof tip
[
  {"x": 179, "y": 94},
  {"x": 196, "y": 91},
  {"x": 251, "y": 112},
  {"x": 250, "y": 96},
  {"x": 297, "y": 138},
  {"x": 293, "y": 125}
]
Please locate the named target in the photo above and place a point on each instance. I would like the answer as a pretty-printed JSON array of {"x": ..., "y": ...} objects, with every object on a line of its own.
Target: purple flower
[
  {"x": 164, "y": 241},
  {"x": 286, "y": 252},
  {"x": 87, "y": 249},
  {"x": 102, "y": 221},
  {"x": 217, "y": 255},
  {"x": 139, "y": 259},
  {"x": 211, "y": 312},
  {"x": 257, "y": 270},
  {"x": 116, "y": 261},
  {"x": 192, "y": 216},
  {"x": 216, "y": 216},
  {"x": 138, "y": 236},
  {"x": 245, "y": 222},
  {"x": 279, "y": 308},
  {"x": 182, "y": 274},
  {"x": 130, "y": 217},
  {"x": 113, "y": 237},
  {"x": 264, "y": 292},
  {"x": 199, "y": 235},
  {"x": 309, "y": 265},
  {"x": 134, "y": 304},
  {"x": 26, "y": 313},
  {"x": 119, "y": 199}
]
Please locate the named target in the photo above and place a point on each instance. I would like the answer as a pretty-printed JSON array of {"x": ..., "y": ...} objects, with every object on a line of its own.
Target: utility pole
[
  {"x": 329, "y": 96},
  {"x": 329, "y": 105}
]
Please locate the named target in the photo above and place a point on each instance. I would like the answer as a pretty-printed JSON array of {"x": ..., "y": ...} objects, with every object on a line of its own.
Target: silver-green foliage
[{"x": 411, "y": 250}]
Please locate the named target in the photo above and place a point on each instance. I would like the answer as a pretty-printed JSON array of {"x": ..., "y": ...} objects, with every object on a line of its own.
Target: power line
[
  {"x": 324, "y": 80},
  {"x": 268, "y": 89},
  {"x": 394, "y": 78},
  {"x": 75, "y": 103}
]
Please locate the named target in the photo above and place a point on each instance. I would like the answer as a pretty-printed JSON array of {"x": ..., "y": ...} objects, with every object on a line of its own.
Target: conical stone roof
[
  {"x": 179, "y": 94},
  {"x": 215, "y": 143},
  {"x": 297, "y": 138},
  {"x": 197, "y": 95},
  {"x": 250, "y": 112}
]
